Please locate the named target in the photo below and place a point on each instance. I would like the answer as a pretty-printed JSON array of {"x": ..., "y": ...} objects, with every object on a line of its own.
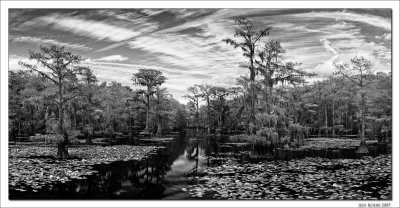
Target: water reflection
[{"x": 160, "y": 177}]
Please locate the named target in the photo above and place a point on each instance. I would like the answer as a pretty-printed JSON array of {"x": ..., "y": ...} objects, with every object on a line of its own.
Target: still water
[{"x": 162, "y": 176}]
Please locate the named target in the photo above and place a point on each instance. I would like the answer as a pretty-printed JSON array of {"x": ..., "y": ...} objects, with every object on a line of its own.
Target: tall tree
[
  {"x": 360, "y": 73},
  {"x": 322, "y": 92},
  {"x": 162, "y": 108},
  {"x": 59, "y": 67},
  {"x": 218, "y": 100},
  {"x": 205, "y": 90},
  {"x": 194, "y": 95},
  {"x": 333, "y": 85},
  {"x": 249, "y": 38},
  {"x": 270, "y": 61},
  {"x": 151, "y": 79},
  {"x": 26, "y": 103},
  {"x": 89, "y": 89},
  {"x": 275, "y": 71}
]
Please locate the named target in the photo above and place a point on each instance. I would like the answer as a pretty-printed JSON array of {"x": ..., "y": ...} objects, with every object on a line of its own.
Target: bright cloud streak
[
  {"x": 40, "y": 41},
  {"x": 113, "y": 58},
  {"x": 376, "y": 21},
  {"x": 185, "y": 44}
]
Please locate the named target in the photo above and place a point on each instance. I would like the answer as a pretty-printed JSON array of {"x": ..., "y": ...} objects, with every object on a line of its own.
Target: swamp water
[
  {"x": 161, "y": 176},
  {"x": 166, "y": 174}
]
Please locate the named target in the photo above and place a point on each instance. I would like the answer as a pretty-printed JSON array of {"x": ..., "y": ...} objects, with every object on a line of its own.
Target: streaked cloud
[
  {"x": 374, "y": 20},
  {"x": 44, "y": 41},
  {"x": 113, "y": 58},
  {"x": 185, "y": 44},
  {"x": 79, "y": 25}
]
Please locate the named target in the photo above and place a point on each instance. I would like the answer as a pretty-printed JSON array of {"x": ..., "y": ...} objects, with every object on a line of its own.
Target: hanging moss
[{"x": 267, "y": 120}]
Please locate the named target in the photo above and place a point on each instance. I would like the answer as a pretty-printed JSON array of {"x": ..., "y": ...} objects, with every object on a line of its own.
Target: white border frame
[{"x": 5, "y": 5}]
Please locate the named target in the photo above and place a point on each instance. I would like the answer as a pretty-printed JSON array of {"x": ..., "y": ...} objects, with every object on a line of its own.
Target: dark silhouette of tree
[
  {"x": 194, "y": 95},
  {"x": 163, "y": 108},
  {"x": 63, "y": 73},
  {"x": 89, "y": 90},
  {"x": 150, "y": 79},
  {"x": 274, "y": 70},
  {"x": 205, "y": 90},
  {"x": 359, "y": 72},
  {"x": 249, "y": 38},
  {"x": 219, "y": 97}
]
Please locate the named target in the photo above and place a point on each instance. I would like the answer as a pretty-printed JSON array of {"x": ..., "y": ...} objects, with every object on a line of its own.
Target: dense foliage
[
  {"x": 68, "y": 102},
  {"x": 275, "y": 102}
]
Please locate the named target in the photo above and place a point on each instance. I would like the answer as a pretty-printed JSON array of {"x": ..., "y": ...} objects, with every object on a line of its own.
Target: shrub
[
  {"x": 251, "y": 139},
  {"x": 55, "y": 138},
  {"x": 47, "y": 138},
  {"x": 325, "y": 131},
  {"x": 347, "y": 132},
  {"x": 242, "y": 138},
  {"x": 88, "y": 130},
  {"x": 338, "y": 130},
  {"x": 267, "y": 120},
  {"x": 252, "y": 128},
  {"x": 269, "y": 134},
  {"x": 298, "y": 133},
  {"x": 73, "y": 136},
  {"x": 52, "y": 126},
  {"x": 369, "y": 133},
  {"x": 284, "y": 140}
]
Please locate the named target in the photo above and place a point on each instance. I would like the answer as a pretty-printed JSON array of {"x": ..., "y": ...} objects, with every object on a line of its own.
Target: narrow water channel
[{"x": 162, "y": 176}]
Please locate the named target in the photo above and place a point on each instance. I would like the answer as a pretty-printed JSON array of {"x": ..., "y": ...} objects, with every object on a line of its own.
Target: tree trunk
[
  {"x": 252, "y": 107},
  {"x": 75, "y": 117},
  {"x": 209, "y": 116},
  {"x": 91, "y": 124},
  {"x": 333, "y": 113},
  {"x": 159, "y": 126},
  {"x": 326, "y": 116},
  {"x": 147, "y": 112},
  {"x": 89, "y": 139},
  {"x": 89, "y": 136},
  {"x": 131, "y": 127},
  {"x": 253, "y": 94},
  {"x": 62, "y": 151},
  {"x": 197, "y": 115},
  {"x": 220, "y": 126},
  {"x": 362, "y": 149},
  {"x": 269, "y": 97}
]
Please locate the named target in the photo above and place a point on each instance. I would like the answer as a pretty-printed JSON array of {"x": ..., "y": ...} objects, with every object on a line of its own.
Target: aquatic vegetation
[
  {"x": 332, "y": 143},
  {"x": 32, "y": 167},
  {"x": 310, "y": 178},
  {"x": 251, "y": 139},
  {"x": 157, "y": 139}
]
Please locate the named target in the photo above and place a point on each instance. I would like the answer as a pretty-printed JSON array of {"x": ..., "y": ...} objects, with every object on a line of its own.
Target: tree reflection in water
[{"x": 162, "y": 175}]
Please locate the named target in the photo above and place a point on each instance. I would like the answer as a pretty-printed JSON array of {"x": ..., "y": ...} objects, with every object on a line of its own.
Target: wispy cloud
[
  {"x": 385, "y": 36},
  {"x": 84, "y": 27},
  {"x": 185, "y": 44},
  {"x": 113, "y": 58},
  {"x": 43, "y": 41},
  {"x": 177, "y": 80},
  {"x": 329, "y": 46},
  {"x": 373, "y": 20}
]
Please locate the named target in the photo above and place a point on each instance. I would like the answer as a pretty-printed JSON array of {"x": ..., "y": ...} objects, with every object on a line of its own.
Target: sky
[{"x": 186, "y": 44}]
